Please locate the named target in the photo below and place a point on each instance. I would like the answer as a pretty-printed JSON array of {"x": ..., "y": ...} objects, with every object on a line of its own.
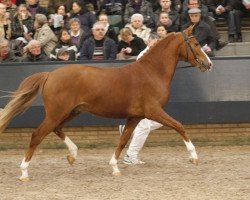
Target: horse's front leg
[
  {"x": 71, "y": 146},
  {"x": 127, "y": 132},
  {"x": 162, "y": 117}
]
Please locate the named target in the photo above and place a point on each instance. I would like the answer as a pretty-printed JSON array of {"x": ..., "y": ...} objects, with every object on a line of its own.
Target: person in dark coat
[
  {"x": 142, "y": 7},
  {"x": 201, "y": 31},
  {"x": 165, "y": 6},
  {"x": 35, "y": 52},
  {"x": 22, "y": 23},
  {"x": 98, "y": 46},
  {"x": 242, "y": 10},
  {"x": 130, "y": 45},
  {"x": 189, "y": 4},
  {"x": 6, "y": 55},
  {"x": 86, "y": 17},
  {"x": 35, "y": 8},
  {"x": 223, "y": 9}
]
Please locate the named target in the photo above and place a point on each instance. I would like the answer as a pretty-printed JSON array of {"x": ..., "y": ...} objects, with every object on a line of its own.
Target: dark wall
[{"x": 219, "y": 96}]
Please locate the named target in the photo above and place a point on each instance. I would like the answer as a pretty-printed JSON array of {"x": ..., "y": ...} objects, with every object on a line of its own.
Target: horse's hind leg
[
  {"x": 162, "y": 117},
  {"x": 128, "y": 130},
  {"x": 71, "y": 145},
  {"x": 41, "y": 132}
]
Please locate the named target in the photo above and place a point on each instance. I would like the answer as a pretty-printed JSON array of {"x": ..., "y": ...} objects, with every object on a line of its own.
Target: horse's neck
[{"x": 163, "y": 57}]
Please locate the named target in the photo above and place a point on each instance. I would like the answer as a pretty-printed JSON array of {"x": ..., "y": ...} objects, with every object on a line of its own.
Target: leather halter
[{"x": 187, "y": 42}]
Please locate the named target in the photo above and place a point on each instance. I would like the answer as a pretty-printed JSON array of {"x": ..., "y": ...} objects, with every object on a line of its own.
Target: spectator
[
  {"x": 76, "y": 33},
  {"x": 64, "y": 41},
  {"x": 98, "y": 46},
  {"x": 165, "y": 6},
  {"x": 10, "y": 8},
  {"x": 130, "y": 45},
  {"x": 161, "y": 31},
  {"x": 138, "y": 28},
  {"x": 63, "y": 55},
  {"x": 201, "y": 31},
  {"x": 59, "y": 19},
  {"x": 188, "y": 4},
  {"x": 22, "y": 23},
  {"x": 242, "y": 10},
  {"x": 6, "y": 55},
  {"x": 165, "y": 20},
  {"x": 44, "y": 34},
  {"x": 35, "y": 52},
  {"x": 86, "y": 17},
  {"x": 35, "y": 8},
  {"x": 223, "y": 9},
  {"x": 52, "y": 5},
  {"x": 110, "y": 31},
  {"x": 139, "y": 6},
  {"x": 5, "y": 26}
]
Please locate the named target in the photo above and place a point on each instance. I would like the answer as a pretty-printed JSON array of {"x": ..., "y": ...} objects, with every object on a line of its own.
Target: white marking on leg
[
  {"x": 113, "y": 163},
  {"x": 191, "y": 149},
  {"x": 24, "y": 168},
  {"x": 72, "y": 147}
]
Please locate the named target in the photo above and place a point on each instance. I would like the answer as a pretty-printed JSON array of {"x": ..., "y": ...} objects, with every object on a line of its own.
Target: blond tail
[{"x": 22, "y": 98}]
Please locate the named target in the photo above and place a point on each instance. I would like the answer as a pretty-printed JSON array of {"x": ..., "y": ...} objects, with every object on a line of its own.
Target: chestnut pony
[{"x": 134, "y": 91}]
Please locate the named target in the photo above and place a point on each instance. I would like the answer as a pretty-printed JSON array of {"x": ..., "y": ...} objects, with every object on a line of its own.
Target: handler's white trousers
[{"x": 140, "y": 135}]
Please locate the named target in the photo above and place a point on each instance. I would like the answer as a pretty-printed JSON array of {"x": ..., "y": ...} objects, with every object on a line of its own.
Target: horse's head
[{"x": 193, "y": 52}]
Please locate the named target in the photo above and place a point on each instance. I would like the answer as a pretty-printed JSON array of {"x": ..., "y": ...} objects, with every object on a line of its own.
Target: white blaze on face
[{"x": 211, "y": 64}]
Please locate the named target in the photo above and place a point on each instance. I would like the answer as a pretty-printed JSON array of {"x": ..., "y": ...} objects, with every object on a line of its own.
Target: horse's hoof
[
  {"x": 26, "y": 179},
  {"x": 117, "y": 174},
  {"x": 195, "y": 161},
  {"x": 71, "y": 159}
]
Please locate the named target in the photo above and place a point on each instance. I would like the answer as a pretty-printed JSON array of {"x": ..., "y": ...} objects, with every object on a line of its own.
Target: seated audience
[
  {"x": 130, "y": 45},
  {"x": 98, "y": 46},
  {"x": 5, "y": 23},
  {"x": 22, "y": 23},
  {"x": 139, "y": 6},
  {"x": 201, "y": 31},
  {"x": 76, "y": 33},
  {"x": 44, "y": 34},
  {"x": 64, "y": 41},
  {"x": 35, "y": 52},
  {"x": 242, "y": 10},
  {"x": 188, "y": 4},
  {"x": 138, "y": 28},
  {"x": 173, "y": 15},
  {"x": 86, "y": 17},
  {"x": 35, "y": 8},
  {"x": 110, "y": 31},
  {"x": 223, "y": 9},
  {"x": 6, "y": 55}
]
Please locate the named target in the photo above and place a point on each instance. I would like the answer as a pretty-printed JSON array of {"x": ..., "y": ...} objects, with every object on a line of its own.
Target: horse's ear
[{"x": 189, "y": 30}]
